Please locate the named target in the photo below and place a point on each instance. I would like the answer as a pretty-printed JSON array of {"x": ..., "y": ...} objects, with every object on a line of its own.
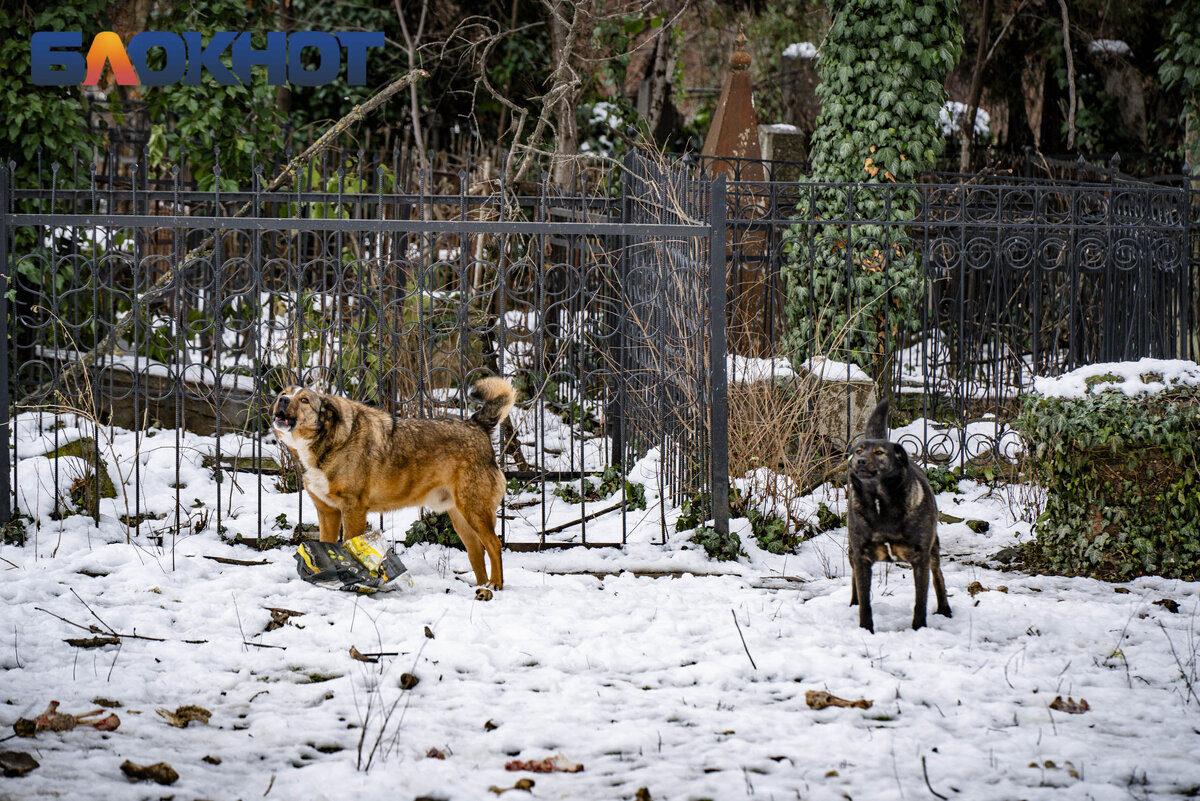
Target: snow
[
  {"x": 748, "y": 369},
  {"x": 950, "y": 118},
  {"x": 644, "y": 680},
  {"x": 830, "y": 370},
  {"x": 1142, "y": 377},
  {"x": 1109, "y": 47},
  {"x": 800, "y": 50}
]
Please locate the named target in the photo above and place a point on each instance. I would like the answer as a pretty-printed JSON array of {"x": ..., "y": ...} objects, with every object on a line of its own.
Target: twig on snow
[
  {"x": 925, "y": 772},
  {"x": 739, "y": 630}
]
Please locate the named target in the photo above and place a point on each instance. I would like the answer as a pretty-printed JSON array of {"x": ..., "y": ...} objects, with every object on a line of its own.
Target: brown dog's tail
[
  {"x": 877, "y": 423},
  {"x": 497, "y": 396}
]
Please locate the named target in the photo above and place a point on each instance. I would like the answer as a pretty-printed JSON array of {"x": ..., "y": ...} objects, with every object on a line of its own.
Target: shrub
[
  {"x": 773, "y": 533},
  {"x": 610, "y": 482},
  {"x": 433, "y": 527},
  {"x": 1121, "y": 475},
  {"x": 722, "y": 547},
  {"x": 942, "y": 479}
]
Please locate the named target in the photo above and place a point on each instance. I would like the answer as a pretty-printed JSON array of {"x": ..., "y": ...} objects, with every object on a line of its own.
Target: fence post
[
  {"x": 5, "y": 489},
  {"x": 718, "y": 375},
  {"x": 1187, "y": 288},
  {"x": 616, "y": 323}
]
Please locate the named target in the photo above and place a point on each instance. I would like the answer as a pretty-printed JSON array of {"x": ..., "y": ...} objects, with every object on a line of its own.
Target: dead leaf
[
  {"x": 974, "y": 588},
  {"x": 281, "y": 618},
  {"x": 17, "y": 763},
  {"x": 555, "y": 764},
  {"x": 159, "y": 772},
  {"x": 491, "y": 725},
  {"x": 818, "y": 699},
  {"x": 1070, "y": 706},
  {"x": 53, "y": 720},
  {"x": 1169, "y": 605},
  {"x": 92, "y": 642},
  {"x": 435, "y": 753},
  {"x": 429, "y": 632},
  {"x": 870, "y": 168},
  {"x": 356, "y": 654},
  {"x": 408, "y": 681},
  {"x": 184, "y": 715},
  {"x": 212, "y": 760}
]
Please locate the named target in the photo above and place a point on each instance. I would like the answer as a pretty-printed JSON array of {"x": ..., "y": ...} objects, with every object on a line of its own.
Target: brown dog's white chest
[{"x": 315, "y": 480}]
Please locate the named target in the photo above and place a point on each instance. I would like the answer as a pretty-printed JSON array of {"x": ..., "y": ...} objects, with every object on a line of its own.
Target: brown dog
[{"x": 358, "y": 459}]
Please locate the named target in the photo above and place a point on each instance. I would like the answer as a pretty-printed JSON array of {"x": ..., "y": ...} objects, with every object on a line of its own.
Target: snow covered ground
[{"x": 650, "y": 665}]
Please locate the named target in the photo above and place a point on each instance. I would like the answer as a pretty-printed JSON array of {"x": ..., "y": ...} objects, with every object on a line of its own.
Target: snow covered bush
[{"x": 1117, "y": 448}]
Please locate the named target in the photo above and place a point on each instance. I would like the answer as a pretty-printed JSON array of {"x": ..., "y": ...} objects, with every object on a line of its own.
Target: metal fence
[
  {"x": 1017, "y": 278},
  {"x": 144, "y": 308},
  {"x": 623, "y": 314}
]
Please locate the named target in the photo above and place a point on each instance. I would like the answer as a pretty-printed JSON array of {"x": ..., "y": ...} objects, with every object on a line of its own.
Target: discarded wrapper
[{"x": 364, "y": 564}]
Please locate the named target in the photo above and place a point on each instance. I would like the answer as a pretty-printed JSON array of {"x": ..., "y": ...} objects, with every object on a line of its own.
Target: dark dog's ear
[
  {"x": 877, "y": 423},
  {"x": 901, "y": 454}
]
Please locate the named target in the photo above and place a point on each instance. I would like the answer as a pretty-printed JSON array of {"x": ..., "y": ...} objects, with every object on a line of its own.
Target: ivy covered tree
[
  {"x": 854, "y": 291},
  {"x": 1180, "y": 66}
]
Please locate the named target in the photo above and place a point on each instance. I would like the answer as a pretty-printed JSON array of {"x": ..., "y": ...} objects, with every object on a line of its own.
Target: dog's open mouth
[{"x": 284, "y": 423}]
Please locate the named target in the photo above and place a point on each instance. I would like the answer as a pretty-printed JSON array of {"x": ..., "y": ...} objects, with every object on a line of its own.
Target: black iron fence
[
  {"x": 146, "y": 306},
  {"x": 139, "y": 308},
  {"x": 1015, "y": 278}
]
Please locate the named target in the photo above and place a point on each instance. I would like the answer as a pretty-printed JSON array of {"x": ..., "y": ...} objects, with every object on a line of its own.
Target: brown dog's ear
[
  {"x": 901, "y": 454},
  {"x": 327, "y": 414}
]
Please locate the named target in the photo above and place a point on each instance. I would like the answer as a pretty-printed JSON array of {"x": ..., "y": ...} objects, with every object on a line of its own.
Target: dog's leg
[
  {"x": 920, "y": 566},
  {"x": 329, "y": 519},
  {"x": 354, "y": 520},
  {"x": 861, "y": 593},
  {"x": 473, "y": 544},
  {"x": 939, "y": 583},
  {"x": 484, "y": 524}
]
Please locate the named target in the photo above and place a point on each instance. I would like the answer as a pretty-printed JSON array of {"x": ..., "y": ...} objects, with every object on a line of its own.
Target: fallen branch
[
  {"x": 167, "y": 280},
  {"x": 117, "y": 635},
  {"x": 585, "y": 518},
  {"x": 225, "y": 560}
]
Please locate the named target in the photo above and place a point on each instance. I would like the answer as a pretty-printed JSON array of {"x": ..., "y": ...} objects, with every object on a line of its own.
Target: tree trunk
[
  {"x": 566, "y": 140},
  {"x": 967, "y": 126},
  {"x": 1033, "y": 85}
]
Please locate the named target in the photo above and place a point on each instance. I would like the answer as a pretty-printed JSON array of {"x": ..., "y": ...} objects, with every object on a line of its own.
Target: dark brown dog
[
  {"x": 892, "y": 517},
  {"x": 358, "y": 459}
]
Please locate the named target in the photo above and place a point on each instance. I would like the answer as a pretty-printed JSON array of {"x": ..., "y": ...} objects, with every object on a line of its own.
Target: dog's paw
[{"x": 483, "y": 594}]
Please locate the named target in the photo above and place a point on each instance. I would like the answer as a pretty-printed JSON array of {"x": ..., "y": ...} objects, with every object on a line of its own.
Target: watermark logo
[{"x": 57, "y": 58}]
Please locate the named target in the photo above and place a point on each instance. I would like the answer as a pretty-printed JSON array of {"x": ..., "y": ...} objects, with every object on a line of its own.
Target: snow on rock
[
  {"x": 1143, "y": 377},
  {"x": 747, "y": 369},
  {"x": 829, "y": 370}
]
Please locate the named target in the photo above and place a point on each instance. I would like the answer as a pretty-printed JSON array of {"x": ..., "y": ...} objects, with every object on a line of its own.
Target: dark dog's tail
[
  {"x": 877, "y": 423},
  {"x": 497, "y": 396}
]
